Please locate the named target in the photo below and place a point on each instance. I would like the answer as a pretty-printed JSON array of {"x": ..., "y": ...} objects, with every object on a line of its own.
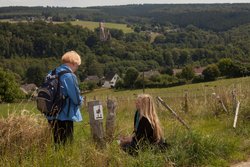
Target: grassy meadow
[
  {"x": 92, "y": 25},
  {"x": 85, "y": 24},
  {"x": 212, "y": 140}
]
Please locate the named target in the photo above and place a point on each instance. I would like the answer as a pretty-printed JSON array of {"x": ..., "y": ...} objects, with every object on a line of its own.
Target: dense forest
[
  {"x": 29, "y": 49},
  {"x": 216, "y": 17}
]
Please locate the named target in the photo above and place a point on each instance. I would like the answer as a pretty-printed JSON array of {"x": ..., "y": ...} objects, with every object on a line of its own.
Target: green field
[
  {"x": 92, "y": 25},
  {"x": 86, "y": 24},
  {"x": 212, "y": 140},
  {"x": 12, "y": 21}
]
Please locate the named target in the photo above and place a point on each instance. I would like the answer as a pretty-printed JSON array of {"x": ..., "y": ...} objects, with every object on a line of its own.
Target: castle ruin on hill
[{"x": 104, "y": 33}]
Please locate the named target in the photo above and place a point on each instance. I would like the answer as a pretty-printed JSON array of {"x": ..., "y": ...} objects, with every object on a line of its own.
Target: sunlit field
[
  {"x": 92, "y": 25},
  {"x": 85, "y": 24}
]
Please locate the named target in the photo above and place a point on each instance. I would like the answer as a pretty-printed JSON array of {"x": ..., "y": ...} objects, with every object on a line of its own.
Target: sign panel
[{"x": 98, "y": 112}]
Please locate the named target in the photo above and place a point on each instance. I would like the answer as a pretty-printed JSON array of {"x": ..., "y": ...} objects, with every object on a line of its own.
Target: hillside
[
  {"x": 35, "y": 38},
  {"x": 170, "y": 49},
  {"x": 216, "y": 17}
]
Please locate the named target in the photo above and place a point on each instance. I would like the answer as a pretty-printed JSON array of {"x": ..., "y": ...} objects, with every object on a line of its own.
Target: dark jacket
[
  {"x": 144, "y": 133},
  {"x": 143, "y": 136}
]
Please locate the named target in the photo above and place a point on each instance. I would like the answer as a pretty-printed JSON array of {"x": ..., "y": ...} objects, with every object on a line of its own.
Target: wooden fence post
[
  {"x": 234, "y": 100},
  {"x": 173, "y": 112},
  {"x": 236, "y": 114},
  {"x": 222, "y": 104},
  {"x": 85, "y": 101},
  {"x": 205, "y": 96},
  {"x": 96, "y": 121},
  {"x": 186, "y": 102},
  {"x": 220, "y": 101},
  {"x": 110, "y": 120}
]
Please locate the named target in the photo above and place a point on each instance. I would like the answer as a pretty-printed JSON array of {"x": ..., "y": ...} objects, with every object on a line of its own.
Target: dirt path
[{"x": 242, "y": 164}]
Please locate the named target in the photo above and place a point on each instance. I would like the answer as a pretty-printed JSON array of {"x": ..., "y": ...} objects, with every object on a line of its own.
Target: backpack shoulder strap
[
  {"x": 59, "y": 75},
  {"x": 63, "y": 72},
  {"x": 53, "y": 72}
]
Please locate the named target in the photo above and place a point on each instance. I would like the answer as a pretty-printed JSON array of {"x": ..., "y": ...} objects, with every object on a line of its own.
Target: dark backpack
[{"x": 50, "y": 99}]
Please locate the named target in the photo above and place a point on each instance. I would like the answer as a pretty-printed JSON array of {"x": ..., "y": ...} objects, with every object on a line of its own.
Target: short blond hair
[{"x": 71, "y": 57}]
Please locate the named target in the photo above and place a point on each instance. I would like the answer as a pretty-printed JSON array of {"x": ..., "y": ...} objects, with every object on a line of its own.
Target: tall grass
[
  {"x": 22, "y": 135},
  {"x": 196, "y": 149}
]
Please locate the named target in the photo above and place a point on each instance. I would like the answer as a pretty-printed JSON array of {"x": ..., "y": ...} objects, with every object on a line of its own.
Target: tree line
[
  {"x": 215, "y": 17},
  {"x": 29, "y": 50}
]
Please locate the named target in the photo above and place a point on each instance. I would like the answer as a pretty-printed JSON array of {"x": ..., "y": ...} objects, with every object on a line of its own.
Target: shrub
[
  {"x": 91, "y": 85},
  {"x": 9, "y": 89},
  {"x": 211, "y": 72},
  {"x": 83, "y": 86},
  {"x": 198, "y": 79},
  {"x": 119, "y": 84},
  {"x": 130, "y": 77},
  {"x": 187, "y": 73},
  {"x": 34, "y": 74}
]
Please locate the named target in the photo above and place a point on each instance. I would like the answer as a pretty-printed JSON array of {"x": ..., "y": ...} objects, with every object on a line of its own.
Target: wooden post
[
  {"x": 236, "y": 114},
  {"x": 234, "y": 100},
  {"x": 157, "y": 104},
  {"x": 218, "y": 98},
  {"x": 96, "y": 121},
  {"x": 143, "y": 86},
  {"x": 205, "y": 96},
  {"x": 85, "y": 100},
  {"x": 186, "y": 102},
  {"x": 223, "y": 105},
  {"x": 173, "y": 112},
  {"x": 110, "y": 120}
]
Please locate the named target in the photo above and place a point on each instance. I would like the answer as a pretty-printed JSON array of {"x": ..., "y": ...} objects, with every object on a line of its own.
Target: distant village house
[
  {"x": 28, "y": 88},
  {"x": 197, "y": 70},
  {"x": 110, "y": 81},
  {"x": 148, "y": 74},
  {"x": 92, "y": 78}
]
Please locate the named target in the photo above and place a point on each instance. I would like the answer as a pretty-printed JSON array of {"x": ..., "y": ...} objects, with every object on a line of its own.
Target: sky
[{"x": 87, "y": 3}]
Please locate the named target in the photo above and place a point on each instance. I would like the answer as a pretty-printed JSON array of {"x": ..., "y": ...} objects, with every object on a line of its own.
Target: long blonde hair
[{"x": 147, "y": 109}]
